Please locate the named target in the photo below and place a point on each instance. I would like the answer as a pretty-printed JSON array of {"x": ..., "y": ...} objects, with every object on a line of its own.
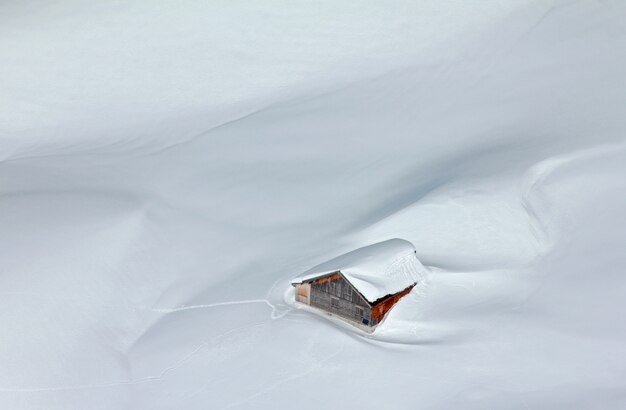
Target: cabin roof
[{"x": 376, "y": 270}]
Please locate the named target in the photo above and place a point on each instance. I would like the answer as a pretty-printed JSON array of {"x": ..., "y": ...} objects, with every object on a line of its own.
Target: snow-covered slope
[{"x": 167, "y": 169}]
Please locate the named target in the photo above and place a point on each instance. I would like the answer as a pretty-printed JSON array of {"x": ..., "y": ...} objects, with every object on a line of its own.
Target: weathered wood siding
[{"x": 335, "y": 295}]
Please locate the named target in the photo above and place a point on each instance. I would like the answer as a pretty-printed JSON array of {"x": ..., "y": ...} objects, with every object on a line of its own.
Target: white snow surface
[
  {"x": 375, "y": 270},
  {"x": 166, "y": 169}
]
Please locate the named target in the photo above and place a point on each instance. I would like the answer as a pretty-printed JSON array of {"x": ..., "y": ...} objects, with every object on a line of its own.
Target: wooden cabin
[{"x": 361, "y": 286}]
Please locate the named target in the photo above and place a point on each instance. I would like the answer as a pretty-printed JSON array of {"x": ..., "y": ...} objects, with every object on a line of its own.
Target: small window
[
  {"x": 347, "y": 294},
  {"x": 334, "y": 302},
  {"x": 358, "y": 311}
]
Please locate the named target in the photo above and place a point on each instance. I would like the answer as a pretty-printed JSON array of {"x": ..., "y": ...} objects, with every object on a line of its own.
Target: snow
[
  {"x": 375, "y": 270},
  {"x": 167, "y": 169}
]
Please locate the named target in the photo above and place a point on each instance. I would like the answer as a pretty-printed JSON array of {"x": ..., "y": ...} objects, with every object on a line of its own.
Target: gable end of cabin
[{"x": 334, "y": 294}]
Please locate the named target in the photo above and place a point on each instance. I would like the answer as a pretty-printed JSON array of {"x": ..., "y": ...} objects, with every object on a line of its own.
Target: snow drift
[{"x": 167, "y": 169}]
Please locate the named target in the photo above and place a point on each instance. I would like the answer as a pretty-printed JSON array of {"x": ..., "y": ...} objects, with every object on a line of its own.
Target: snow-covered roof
[{"x": 376, "y": 270}]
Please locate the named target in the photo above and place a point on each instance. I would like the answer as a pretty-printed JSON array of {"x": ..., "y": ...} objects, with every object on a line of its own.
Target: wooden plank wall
[{"x": 335, "y": 295}]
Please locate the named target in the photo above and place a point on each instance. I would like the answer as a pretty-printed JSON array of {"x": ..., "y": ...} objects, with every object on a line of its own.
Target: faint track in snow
[{"x": 274, "y": 314}]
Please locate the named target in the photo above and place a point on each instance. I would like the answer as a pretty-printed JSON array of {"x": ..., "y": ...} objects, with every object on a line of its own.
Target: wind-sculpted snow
[{"x": 167, "y": 170}]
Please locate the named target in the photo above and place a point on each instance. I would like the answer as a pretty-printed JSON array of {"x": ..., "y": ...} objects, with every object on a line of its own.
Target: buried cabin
[{"x": 361, "y": 286}]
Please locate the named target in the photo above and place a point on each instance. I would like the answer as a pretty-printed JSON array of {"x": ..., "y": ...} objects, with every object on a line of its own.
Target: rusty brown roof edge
[
  {"x": 309, "y": 280},
  {"x": 381, "y": 300}
]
